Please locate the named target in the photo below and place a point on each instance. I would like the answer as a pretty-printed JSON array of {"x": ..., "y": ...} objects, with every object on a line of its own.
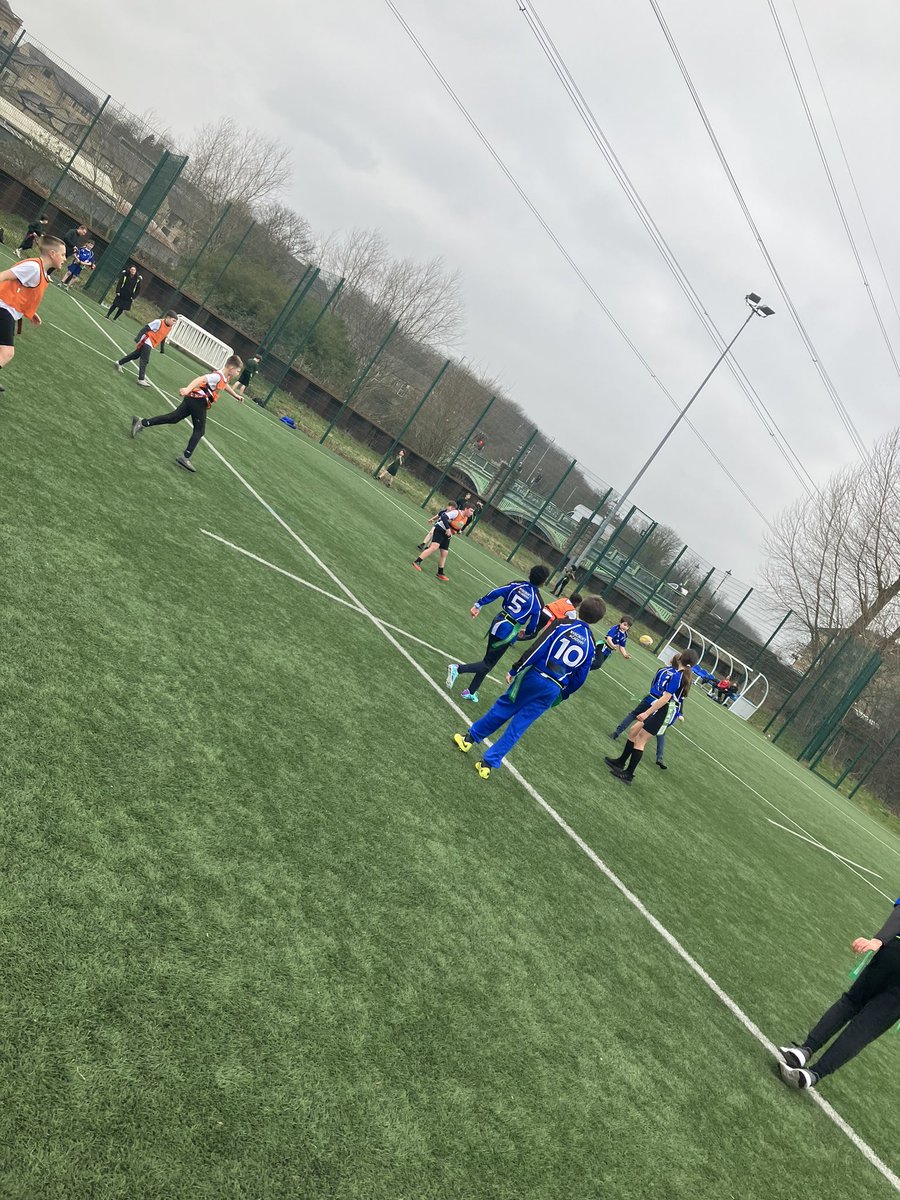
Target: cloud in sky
[{"x": 376, "y": 142}]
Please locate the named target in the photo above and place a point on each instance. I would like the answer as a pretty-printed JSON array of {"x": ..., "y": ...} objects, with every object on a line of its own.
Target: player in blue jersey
[
  {"x": 519, "y": 617},
  {"x": 675, "y": 714},
  {"x": 615, "y": 640},
  {"x": 82, "y": 260},
  {"x": 555, "y": 667},
  {"x": 669, "y": 683}
]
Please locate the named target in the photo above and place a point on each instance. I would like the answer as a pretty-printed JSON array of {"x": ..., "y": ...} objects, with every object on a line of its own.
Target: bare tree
[
  {"x": 834, "y": 558},
  {"x": 231, "y": 163},
  {"x": 424, "y": 297},
  {"x": 287, "y": 229},
  {"x": 445, "y": 419}
]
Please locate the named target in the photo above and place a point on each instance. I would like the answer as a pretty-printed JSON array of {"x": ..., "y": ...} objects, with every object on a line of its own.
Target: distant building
[{"x": 10, "y": 25}]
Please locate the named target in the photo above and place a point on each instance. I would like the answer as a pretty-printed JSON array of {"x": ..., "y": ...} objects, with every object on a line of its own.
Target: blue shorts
[{"x": 76, "y": 269}]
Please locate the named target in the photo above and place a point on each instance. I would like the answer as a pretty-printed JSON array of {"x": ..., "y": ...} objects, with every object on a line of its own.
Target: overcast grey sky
[{"x": 376, "y": 142}]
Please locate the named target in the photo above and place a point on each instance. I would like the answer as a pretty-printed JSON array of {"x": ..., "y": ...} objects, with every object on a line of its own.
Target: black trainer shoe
[
  {"x": 794, "y": 1056},
  {"x": 798, "y": 1077},
  {"x": 623, "y": 775},
  {"x": 662, "y": 766},
  {"x": 611, "y": 762}
]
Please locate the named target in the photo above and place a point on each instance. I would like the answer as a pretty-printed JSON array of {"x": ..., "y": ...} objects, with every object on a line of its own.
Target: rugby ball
[{"x": 645, "y": 639}]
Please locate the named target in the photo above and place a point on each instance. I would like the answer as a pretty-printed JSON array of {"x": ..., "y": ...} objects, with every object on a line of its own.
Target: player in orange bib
[
  {"x": 197, "y": 398},
  {"x": 559, "y": 610},
  {"x": 448, "y": 522},
  {"x": 21, "y": 289},
  {"x": 153, "y": 335}
]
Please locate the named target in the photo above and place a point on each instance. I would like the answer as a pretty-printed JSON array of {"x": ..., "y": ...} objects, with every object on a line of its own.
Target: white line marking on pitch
[
  {"x": 308, "y": 443},
  {"x": 752, "y": 1028},
  {"x": 812, "y": 841},
  {"x": 94, "y": 350},
  {"x": 760, "y": 796},
  {"x": 331, "y": 596},
  {"x": 800, "y": 775}
]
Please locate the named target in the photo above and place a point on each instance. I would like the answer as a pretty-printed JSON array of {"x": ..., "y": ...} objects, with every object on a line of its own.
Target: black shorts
[
  {"x": 441, "y": 536},
  {"x": 657, "y": 720},
  {"x": 244, "y": 379},
  {"x": 7, "y": 327}
]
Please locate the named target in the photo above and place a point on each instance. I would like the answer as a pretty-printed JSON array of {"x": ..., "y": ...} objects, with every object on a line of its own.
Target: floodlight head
[{"x": 756, "y": 304}]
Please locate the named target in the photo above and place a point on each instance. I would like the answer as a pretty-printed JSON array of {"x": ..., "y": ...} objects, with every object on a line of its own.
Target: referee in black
[{"x": 864, "y": 1013}]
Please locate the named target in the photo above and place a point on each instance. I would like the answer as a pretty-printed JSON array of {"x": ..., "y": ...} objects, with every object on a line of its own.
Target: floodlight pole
[{"x": 756, "y": 309}]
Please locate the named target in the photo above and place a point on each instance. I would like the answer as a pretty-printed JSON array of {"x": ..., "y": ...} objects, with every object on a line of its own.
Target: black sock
[
  {"x": 418, "y": 560},
  {"x": 636, "y": 756},
  {"x": 623, "y": 757}
]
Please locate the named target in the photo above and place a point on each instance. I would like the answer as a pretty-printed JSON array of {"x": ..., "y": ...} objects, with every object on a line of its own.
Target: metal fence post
[
  {"x": 458, "y": 451},
  {"x": 64, "y": 172},
  {"x": 734, "y": 612},
  {"x": 179, "y": 287},
  {"x": 305, "y": 340},
  {"x": 231, "y": 257},
  {"x": 872, "y": 765},
  {"x": 541, "y": 510},
  {"x": 588, "y": 572},
  {"x": 641, "y": 542},
  {"x": 768, "y": 642},
  {"x": 415, "y": 412},
  {"x": 662, "y": 579},
  {"x": 833, "y": 719},
  {"x": 12, "y": 49},
  {"x": 826, "y": 671},
  {"x": 676, "y": 620},
  {"x": 290, "y": 306},
  {"x": 797, "y": 686},
  {"x": 361, "y": 378},
  {"x": 493, "y": 496},
  {"x": 570, "y": 545}
]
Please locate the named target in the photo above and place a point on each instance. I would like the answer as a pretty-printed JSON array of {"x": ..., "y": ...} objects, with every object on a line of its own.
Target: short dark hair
[
  {"x": 625, "y": 620},
  {"x": 235, "y": 361},
  {"x": 171, "y": 313},
  {"x": 591, "y": 610},
  {"x": 576, "y": 598},
  {"x": 538, "y": 575}
]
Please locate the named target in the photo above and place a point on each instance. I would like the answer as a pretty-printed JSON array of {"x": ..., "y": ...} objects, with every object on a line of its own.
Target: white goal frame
[
  {"x": 686, "y": 637},
  {"x": 199, "y": 344}
]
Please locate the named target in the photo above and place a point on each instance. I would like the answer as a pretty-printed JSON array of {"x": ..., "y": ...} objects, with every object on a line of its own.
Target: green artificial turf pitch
[{"x": 265, "y": 932}]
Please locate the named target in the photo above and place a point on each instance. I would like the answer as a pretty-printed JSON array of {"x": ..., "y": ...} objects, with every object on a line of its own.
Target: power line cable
[
  {"x": 839, "y": 406},
  {"x": 830, "y": 177},
  {"x": 588, "y": 118},
  {"x": 538, "y": 216},
  {"x": 840, "y": 142}
]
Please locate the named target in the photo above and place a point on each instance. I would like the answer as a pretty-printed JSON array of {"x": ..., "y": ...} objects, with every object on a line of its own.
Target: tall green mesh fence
[{"x": 135, "y": 223}]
